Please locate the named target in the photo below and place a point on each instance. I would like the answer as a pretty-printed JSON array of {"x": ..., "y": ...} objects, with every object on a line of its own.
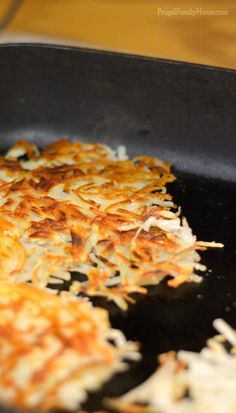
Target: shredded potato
[
  {"x": 189, "y": 382},
  {"x": 79, "y": 207},
  {"x": 85, "y": 215},
  {"x": 53, "y": 349}
]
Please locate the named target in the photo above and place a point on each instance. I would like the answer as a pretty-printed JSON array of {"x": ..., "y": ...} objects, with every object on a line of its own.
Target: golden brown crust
[
  {"x": 80, "y": 207},
  {"x": 54, "y": 348}
]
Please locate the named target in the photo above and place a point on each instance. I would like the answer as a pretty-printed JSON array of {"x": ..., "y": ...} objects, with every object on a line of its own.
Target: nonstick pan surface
[{"x": 183, "y": 113}]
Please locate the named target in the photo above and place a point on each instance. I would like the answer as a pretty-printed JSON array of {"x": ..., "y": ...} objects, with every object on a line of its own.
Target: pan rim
[{"x": 81, "y": 49}]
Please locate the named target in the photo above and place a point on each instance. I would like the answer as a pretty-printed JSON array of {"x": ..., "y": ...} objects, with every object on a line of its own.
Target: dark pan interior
[
  {"x": 184, "y": 112},
  {"x": 181, "y": 112}
]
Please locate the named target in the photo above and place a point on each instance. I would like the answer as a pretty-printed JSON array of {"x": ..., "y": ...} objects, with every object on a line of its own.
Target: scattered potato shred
[{"x": 189, "y": 382}]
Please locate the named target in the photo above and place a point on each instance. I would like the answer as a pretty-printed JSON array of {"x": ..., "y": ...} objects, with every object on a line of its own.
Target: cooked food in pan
[
  {"x": 53, "y": 349},
  {"x": 80, "y": 207},
  {"x": 189, "y": 382}
]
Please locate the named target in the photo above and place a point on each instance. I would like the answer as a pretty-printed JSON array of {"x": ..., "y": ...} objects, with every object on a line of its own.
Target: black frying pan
[{"x": 181, "y": 112}]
